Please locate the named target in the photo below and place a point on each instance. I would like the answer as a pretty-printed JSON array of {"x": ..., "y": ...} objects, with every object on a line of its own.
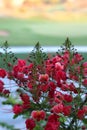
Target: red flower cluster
[
  {"x": 52, "y": 123},
  {"x": 2, "y": 89},
  {"x": 30, "y": 124},
  {"x": 50, "y": 90},
  {"x": 17, "y": 108},
  {"x": 2, "y": 73},
  {"x": 38, "y": 115}
]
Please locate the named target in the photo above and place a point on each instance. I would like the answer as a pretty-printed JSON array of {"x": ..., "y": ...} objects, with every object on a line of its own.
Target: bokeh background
[{"x": 25, "y": 22}]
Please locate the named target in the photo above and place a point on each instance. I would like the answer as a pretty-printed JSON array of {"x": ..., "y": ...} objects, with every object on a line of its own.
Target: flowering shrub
[{"x": 51, "y": 90}]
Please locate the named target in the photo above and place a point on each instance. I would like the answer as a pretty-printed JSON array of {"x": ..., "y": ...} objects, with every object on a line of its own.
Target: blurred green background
[
  {"x": 26, "y": 32},
  {"x": 25, "y": 22}
]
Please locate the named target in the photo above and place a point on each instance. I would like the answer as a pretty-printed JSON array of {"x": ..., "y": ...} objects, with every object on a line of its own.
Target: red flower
[
  {"x": 67, "y": 110},
  {"x": 64, "y": 86},
  {"x": 83, "y": 127},
  {"x": 52, "y": 126},
  {"x": 72, "y": 88},
  {"x": 53, "y": 118},
  {"x": 59, "y": 66},
  {"x": 29, "y": 85},
  {"x": 85, "y": 72},
  {"x": 26, "y": 105},
  {"x": 26, "y": 101},
  {"x": 52, "y": 86},
  {"x": 77, "y": 58},
  {"x": 53, "y": 123},
  {"x": 6, "y": 92},
  {"x": 16, "y": 69},
  {"x": 17, "y": 109},
  {"x": 85, "y": 64},
  {"x": 43, "y": 77},
  {"x": 30, "y": 124},
  {"x": 80, "y": 114},
  {"x": 2, "y": 73},
  {"x": 60, "y": 75},
  {"x": 58, "y": 97},
  {"x": 85, "y": 109},
  {"x": 38, "y": 115},
  {"x": 21, "y": 62},
  {"x": 51, "y": 95},
  {"x": 85, "y": 82},
  {"x": 25, "y": 97},
  {"x": 44, "y": 87},
  {"x": 20, "y": 76},
  {"x": 68, "y": 98},
  {"x": 1, "y": 86},
  {"x": 57, "y": 108}
]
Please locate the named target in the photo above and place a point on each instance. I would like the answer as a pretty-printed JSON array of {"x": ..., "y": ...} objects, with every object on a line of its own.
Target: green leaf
[
  {"x": 85, "y": 121},
  {"x": 11, "y": 101},
  {"x": 62, "y": 118},
  {"x": 15, "y": 116},
  {"x": 7, "y": 126},
  {"x": 38, "y": 127}
]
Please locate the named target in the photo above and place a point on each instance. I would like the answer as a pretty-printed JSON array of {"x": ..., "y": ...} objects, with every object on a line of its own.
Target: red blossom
[
  {"x": 52, "y": 86},
  {"x": 85, "y": 109},
  {"x": 57, "y": 108},
  {"x": 25, "y": 98},
  {"x": 64, "y": 86},
  {"x": 73, "y": 76},
  {"x": 16, "y": 69},
  {"x": 85, "y": 68},
  {"x": 85, "y": 72},
  {"x": 72, "y": 88},
  {"x": 68, "y": 98},
  {"x": 44, "y": 87},
  {"x": 29, "y": 85},
  {"x": 58, "y": 97},
  {"x": 25, "y": 69},
  {"x": 6, "y": 92},
  {"x": 1, "y": 86},
  {"x": 53, "y": 118},
  {"x": 2, "y": 73},
  {"x": 30, "y": 124},
  {"x": 67, "y": 110},
  {"x": 20, "y": 76},
  {"x": 38, "y": 115},
  {"x": 77, "y": 58},
  {"x": 81, "y": 113},
  {"x": 26, "y": 101},
  {"x": 53, "y": 123},
  {"x": 52, "y": 126},
  {"x": 17, "y": 109},
  {"x": 85, "y": 82},
  {"x": 26, "y": 105},
  {"x": 43, "y": 77},
  {"x": 83, "y": 127},
  {"x": 59, "y": 66},
  {"x": 51, "y": 96},
  {"x": 60, "y": 75},
  {"x": 21, "y": 62},
  {"x": 84, "y": 65}
]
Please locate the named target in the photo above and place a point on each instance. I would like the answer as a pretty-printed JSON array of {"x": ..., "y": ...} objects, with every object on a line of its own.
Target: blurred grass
[{"x": 47, "y": 32}]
